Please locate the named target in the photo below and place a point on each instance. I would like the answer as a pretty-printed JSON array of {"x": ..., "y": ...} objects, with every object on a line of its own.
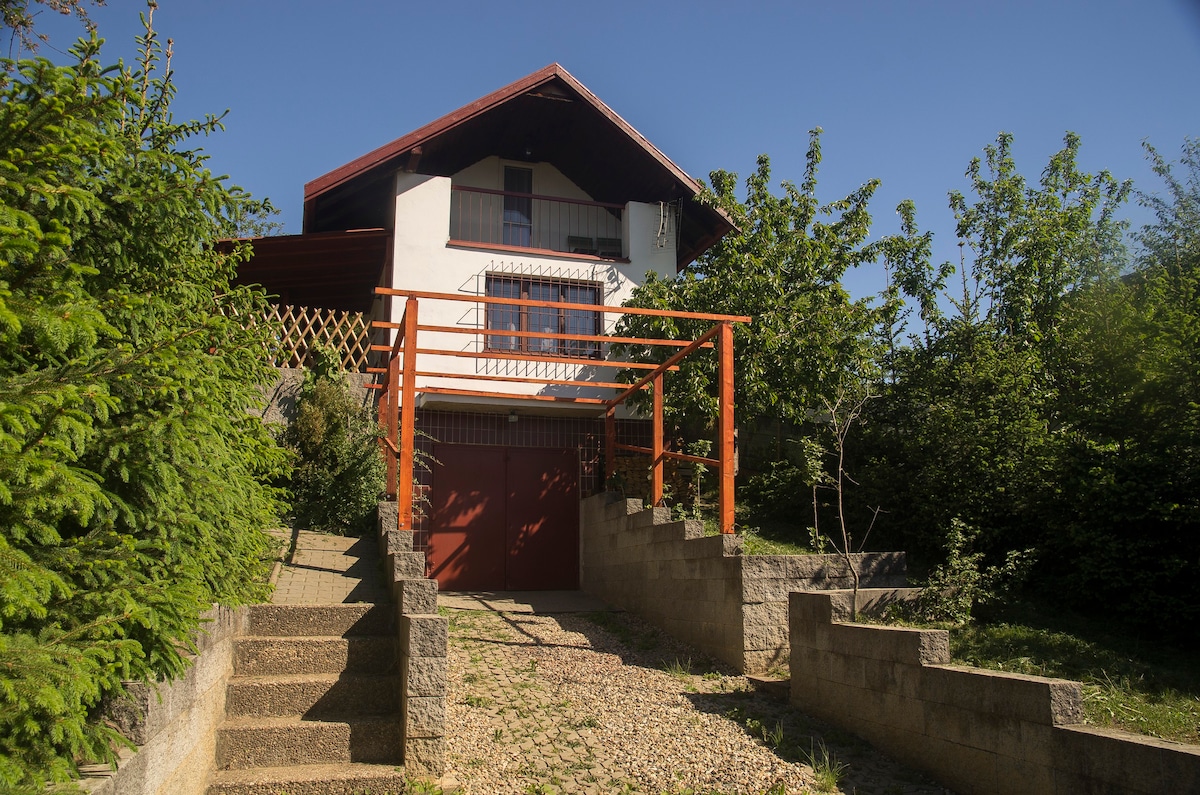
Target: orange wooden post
[
  {"x": 408, "y": 416},
  {"x": 610, "y": 445},
  {"x": 381, "y": 407},
  {"x": 656, "y": 477},
  {"x": 393, "y": 421},
  {"x": 725, "y": 431}
]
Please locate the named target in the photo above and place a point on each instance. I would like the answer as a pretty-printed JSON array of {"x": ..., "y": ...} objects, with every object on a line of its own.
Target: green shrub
[
  {"x": 339, "y": 472},
  {"x": 955, "y": 588}
]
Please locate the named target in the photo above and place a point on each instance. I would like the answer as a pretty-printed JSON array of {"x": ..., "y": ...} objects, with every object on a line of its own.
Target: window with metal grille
[{"x": 547, "y": 320}]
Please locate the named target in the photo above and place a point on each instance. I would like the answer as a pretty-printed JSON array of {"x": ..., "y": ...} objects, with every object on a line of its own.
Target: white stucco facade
[{"x": 424, "y": 259}]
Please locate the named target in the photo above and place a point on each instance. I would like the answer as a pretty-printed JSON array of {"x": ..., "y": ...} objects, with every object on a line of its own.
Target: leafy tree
[
  {"x": 1130, "y": 417},
  {"x": 132, "y": 475},
  {"x": 783, "y": 265},
  {"x": 1055, "y": 411}
]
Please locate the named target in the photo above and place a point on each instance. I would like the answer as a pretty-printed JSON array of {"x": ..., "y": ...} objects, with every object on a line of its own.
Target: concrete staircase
[{"x": 313, "y": 707}]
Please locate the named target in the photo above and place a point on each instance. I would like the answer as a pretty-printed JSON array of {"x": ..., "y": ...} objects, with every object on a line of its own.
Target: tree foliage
[
  {"x": 1055, "y": 410},
  {"x": 339, "y": 474},
  {"x": 783, "y": 265},
  {"x": 132, "y": 477}
]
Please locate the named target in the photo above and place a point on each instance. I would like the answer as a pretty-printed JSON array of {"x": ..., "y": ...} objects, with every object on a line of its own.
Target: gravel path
[{"x": 604, "y": 703}]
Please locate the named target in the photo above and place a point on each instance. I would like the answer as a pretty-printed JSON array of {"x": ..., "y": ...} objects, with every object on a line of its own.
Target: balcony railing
[{"x": 525, "y": 220}]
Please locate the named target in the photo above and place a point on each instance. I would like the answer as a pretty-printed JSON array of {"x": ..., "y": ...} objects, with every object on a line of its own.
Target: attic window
[{"x": 548, "y": 320}]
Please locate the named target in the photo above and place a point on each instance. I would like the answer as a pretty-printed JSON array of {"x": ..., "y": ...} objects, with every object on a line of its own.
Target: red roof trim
[{"x": 401, "y": 145}]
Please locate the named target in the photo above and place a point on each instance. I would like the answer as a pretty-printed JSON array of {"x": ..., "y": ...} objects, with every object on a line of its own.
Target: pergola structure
[{"x": 397, "y": 403}]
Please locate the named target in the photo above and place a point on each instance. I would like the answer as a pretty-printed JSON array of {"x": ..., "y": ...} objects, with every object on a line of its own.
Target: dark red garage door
[{"x": 504, "y": 518}]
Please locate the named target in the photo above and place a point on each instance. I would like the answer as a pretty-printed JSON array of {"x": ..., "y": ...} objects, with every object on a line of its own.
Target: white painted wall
[{"x": 422, "y": 260}]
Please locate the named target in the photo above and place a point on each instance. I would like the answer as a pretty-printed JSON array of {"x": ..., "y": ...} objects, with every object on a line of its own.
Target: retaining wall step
[
  {"x": 258, "y": 656},
  {"x": 311, "y": 695},
  {"x": 277, "y": 742},
  {"x": 343, "y": 779},
  {"x": 313, "y": 620}
]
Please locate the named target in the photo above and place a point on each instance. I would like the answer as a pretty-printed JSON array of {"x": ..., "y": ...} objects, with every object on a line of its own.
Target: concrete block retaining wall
[
  {"x": 975, "y": 731},
  {"x": 175, "y": 724},
  {"x": 424, "y": 637},
  {"x": 700, "y": 589}
]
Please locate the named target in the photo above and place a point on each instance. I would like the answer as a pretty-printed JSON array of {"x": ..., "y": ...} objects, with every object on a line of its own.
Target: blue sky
[{"x": 906, "y": 92}]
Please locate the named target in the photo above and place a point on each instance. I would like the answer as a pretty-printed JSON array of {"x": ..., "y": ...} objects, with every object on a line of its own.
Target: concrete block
[
  {"x": 617, "y": 508},
  {"x": 808, "y": 664},
  {"x": 649, "y": 516},
  {"x": 766, "y": 636},
  {"x": 847, "y": 669},
  {"x": 897, "y": 644},
  {"x": 671, "y": 531},
  {"x": 424, "y": 757},
  {"x": 416, "y": 597},
  {"x": 424, "y": 716},
  {"x": 387, "y": 517},
  {"x": 762, "y": 661},
  {"x": 959, "y": 767},
  {"x": 424, "y": 636},
  {"x": 630, "y": 538},
  {"x": 395, "y": 542},
  {"x": 1031, "y": 698},
  {"x": 884, "y": 676},
  {"x": 424, "y": 676},
  {"x": 901, "y": 713},
  {"x": 765, "y": 613},
  {"x": 1105, "y": 760},
  {"x": 986, "y": 731},
  {"x": 408, "y": 565}
]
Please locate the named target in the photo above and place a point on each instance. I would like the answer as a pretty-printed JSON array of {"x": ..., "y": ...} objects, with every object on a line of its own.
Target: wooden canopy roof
[{"x": 333, "y": 270}]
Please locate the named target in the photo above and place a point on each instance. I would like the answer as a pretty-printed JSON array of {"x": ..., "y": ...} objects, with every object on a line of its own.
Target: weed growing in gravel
[
  {"x": 588, "y": 722},
  {"x": 827, "y": 769},
  {"x": 681, "y": 670},
  {"x": 477, "y": 701},
  {"x": 498, "y": 735}
]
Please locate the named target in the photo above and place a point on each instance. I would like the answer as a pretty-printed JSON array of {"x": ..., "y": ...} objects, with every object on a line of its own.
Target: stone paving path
[
  {"x": 604, "y": 703},
  {"x": 328, "y": 569}
]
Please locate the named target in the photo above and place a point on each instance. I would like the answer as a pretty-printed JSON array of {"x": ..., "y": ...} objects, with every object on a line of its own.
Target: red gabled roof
[{"x": 455, "y": 140}]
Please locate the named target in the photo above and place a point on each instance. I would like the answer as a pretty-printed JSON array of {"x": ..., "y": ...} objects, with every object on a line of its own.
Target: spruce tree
[{"x": 133, "y": 479}]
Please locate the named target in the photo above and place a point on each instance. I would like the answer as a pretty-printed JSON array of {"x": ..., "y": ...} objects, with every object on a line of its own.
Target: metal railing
[{"x": 526, "y": 220}]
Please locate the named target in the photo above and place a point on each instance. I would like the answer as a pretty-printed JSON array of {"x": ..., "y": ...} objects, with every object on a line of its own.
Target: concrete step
[
  {"x": 311, "y": 695},
  {"x": 313, "y": 620},
  {"x": 259, "y": 656},
  {"x": 343, "y": 779},
  {"x": 277, "y": 742}
]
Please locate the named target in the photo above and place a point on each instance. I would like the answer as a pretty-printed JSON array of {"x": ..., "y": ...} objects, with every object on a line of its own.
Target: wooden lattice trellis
[{"x": 302, "y": 327}]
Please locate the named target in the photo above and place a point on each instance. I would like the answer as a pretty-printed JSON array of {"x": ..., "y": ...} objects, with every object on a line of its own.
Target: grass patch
[
  {"x": 678, "y": 669},
  {"x": 769, "y": 535},
  {"x": 827, "y": 769}
]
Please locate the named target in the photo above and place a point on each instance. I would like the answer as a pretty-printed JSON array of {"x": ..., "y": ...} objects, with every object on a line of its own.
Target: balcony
[{"x": 526, "y": 221}]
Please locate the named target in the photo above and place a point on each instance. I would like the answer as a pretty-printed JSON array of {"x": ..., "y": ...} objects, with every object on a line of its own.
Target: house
[{"x": 536, "y": 193}]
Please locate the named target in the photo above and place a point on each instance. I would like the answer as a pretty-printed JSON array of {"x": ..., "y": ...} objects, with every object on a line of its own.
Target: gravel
[{"x": 605, "y": 703}]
